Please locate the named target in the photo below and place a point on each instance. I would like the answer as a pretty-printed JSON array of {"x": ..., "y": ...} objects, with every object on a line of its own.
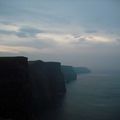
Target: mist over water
[{"x": 91, "y": 97}]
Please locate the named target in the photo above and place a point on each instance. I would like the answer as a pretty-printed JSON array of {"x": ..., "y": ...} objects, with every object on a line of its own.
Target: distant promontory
[{"x": 82, "y": 70}]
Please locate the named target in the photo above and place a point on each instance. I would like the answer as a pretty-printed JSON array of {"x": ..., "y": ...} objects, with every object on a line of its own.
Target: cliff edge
[{"x": 69, "y": 73}]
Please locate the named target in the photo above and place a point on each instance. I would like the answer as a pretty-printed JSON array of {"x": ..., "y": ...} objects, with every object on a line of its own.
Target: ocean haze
[{"x": 90, "y": 97}]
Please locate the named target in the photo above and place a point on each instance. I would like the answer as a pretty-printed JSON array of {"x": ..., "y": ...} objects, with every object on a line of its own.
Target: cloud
[
  {"x": 7, "y": 32},
  {"x": 28, "y": 39},
  {"x": 23, "y": 49},
  {"x": 96, "y": 39},
  {"x": 28, "y": 31},
  {"x": 46, "y": 36},
  {"x": 18, "y": 30},
  {"x": 16, "y": 49},
  {"x": 69, "y": 39},
  {"x": 23, "y": 36},
  {"x": 13, "y": 40},
  {"x": 8, "y": 49},
  {"x": 58, "y": 38},
  {"x": 9, "y": 27}
]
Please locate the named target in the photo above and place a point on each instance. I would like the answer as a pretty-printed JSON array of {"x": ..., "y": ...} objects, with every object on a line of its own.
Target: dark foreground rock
[
  {"x": 69, "y": 73},
  {"x": 15, "y": 93},
  {"x": 26, "y": 90},
  {"x": 47, "y": 82}
]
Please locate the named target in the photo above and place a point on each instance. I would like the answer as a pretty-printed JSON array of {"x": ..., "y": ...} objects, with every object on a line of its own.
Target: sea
[{"x": 91, "y": 97}]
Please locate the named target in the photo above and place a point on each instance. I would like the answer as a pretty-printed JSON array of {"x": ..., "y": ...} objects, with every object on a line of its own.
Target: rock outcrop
[
  {"x": 28, "y": 89},
  {"x": 15, "y": 93},
  {"x": 47, "y": 83},
  {"x": 69, "y": 73}
]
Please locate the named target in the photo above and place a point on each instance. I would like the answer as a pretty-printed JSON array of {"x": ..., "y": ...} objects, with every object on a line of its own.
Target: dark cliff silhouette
[
  {"x": 15, "y": 93},
  {"x": 28, "y": 89},
  {"x": 47, "y": 82},
  {"x": 69, "y": 73}
]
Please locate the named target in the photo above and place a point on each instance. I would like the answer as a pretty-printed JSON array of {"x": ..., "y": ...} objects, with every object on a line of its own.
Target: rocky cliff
[
  {"x": 69, "y": 73},
  {"x": 28, "y": 89},
  {"x": 14, "y": 88},
  {"x": 47, "y": 83}
]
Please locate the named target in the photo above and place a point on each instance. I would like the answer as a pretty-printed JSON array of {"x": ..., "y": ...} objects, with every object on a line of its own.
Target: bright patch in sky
[
  {"x": 97, "y": 39},
  {"x": 69, "y": 38},
  {"x": 9, "y": 27}
]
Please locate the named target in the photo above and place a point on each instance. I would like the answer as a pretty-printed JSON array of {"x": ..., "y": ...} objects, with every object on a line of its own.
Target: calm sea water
[{"x": 90, "y": 97}]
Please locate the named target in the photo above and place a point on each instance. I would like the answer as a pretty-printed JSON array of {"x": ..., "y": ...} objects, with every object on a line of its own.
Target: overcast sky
[{"x": 74, "y": 32}]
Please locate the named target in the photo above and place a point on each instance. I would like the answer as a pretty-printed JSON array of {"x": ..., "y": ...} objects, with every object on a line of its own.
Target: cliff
[
  {"x": 47, "y": 83},
  {"x": 15, "y": 92},
  {"x": 81, "y": 70},
  {"x": 28, "y": 89},
  {"x": 69, "y": 73}
]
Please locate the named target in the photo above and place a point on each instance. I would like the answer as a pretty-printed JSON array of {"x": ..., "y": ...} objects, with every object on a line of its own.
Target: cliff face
[
  {"x": 56, "y": 78},
  {"x": 27, "y": 89},
  {"x": 47, "y": 83},
  {"x": 15, "y": 92},
  {"x": 69, "y": 73}
]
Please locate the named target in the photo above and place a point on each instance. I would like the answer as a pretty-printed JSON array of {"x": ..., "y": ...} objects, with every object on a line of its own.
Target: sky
[{"x": 73, "y": 32}]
